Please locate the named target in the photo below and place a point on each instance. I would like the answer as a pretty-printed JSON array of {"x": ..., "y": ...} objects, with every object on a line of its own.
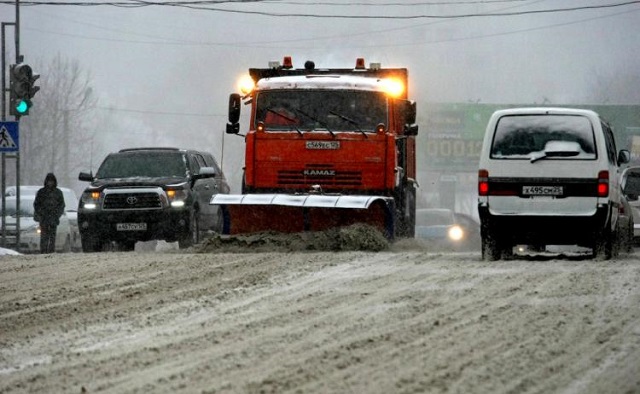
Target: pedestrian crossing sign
[{"x": 9, "y": 137}]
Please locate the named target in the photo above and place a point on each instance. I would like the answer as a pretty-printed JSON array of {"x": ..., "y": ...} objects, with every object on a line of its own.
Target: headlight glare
[{"x": 456, "y": 233}]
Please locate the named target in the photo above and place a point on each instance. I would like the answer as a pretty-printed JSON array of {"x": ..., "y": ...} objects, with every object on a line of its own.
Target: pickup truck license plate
[
  {"x": 131, "y": 226},
  {"x": 542, "y": 190}
]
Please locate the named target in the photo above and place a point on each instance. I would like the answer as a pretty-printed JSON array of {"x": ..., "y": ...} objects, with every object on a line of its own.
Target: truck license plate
[
  {"x": 131, "y": 226},
  {"x": 542, "y": 190},
  {"x": 323, "y": 144}
]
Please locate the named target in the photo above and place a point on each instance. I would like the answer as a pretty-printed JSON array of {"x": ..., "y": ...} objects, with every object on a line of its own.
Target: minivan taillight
[
  {"x": 603, "y": 184},
  {"x": 483, "y": 183}
]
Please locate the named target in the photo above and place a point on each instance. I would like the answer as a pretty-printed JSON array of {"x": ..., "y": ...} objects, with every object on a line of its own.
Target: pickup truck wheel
[
  {"x": 91, "y": 244},
  {"x": 126, "y": 246},
  {"x": 193, "y": 236}
]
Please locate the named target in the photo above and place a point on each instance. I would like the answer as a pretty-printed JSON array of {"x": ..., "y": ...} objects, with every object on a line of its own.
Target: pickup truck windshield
[
  {"x": 333, "y": 110},
  {"x": 530, "y": 136},
  {"x": 144, "y": 165}
]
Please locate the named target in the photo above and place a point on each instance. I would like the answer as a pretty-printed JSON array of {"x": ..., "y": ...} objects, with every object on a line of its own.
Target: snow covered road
[{"x": 397, "y": 321}]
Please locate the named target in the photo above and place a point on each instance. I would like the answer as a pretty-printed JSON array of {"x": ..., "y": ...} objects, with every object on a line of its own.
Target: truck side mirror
[
  {"x": 410, "y": 126},
  {"x": 410, "y": 112},
  {"x": 234, "y": 113},
  {"x": 411, "y": 129}
]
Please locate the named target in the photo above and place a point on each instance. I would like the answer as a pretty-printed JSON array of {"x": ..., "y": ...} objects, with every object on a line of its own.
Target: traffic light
[{"x": 22, "y": 88}]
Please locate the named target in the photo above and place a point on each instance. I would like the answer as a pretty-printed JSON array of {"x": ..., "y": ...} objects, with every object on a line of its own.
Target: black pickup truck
[{"x": 147, "y": 194}]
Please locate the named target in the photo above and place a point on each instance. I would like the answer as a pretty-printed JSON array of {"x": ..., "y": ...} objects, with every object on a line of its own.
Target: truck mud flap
[{"x": 286, "y": 213}]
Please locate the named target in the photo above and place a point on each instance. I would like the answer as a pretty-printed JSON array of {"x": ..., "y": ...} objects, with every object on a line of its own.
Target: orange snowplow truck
[{"x": 326, "y": 147}]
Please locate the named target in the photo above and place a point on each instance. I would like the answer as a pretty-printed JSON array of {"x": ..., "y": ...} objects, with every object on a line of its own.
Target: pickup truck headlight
[
  {"x": 177, "y": 197},
  {"x": 90, "y": 200}
]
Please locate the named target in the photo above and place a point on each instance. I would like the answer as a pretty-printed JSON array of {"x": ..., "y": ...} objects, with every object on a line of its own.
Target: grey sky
[{"x": 158, "y": 61}]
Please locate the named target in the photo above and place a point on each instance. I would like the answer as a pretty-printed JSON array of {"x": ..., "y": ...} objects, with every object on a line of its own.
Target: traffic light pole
[
  {"x": 4, "y": 117},
  {"x": 16, "y": 156}
]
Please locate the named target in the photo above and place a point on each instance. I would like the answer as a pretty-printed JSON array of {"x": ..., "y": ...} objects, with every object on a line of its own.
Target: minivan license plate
[
  {"x": 131, "y": 226},
  {"x": 542, "y": 190}
]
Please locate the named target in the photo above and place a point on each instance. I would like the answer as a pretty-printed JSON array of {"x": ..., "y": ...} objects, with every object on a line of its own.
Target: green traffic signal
[
  {"x": 22, "y": 106},
  {"x": 22, "y": 88}
]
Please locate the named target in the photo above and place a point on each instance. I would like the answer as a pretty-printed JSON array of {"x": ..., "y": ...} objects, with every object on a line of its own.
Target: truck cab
[{"x": 344, "y": 132}]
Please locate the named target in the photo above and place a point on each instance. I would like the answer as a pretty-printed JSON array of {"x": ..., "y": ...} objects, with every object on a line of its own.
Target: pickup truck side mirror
[
  {"x": 86, "y": 177},
  {"x": 205, "y": 172}
]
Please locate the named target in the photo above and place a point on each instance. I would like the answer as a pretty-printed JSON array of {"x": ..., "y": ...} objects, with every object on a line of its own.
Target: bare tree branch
[{"x": 54, "y": 135}]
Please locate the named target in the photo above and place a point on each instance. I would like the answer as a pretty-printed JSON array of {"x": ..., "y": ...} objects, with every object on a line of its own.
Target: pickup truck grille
[{"x": 132, "y": 201}]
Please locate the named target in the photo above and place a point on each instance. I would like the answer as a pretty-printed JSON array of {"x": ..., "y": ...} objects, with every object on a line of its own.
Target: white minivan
[{"x": 549, "y": 176}]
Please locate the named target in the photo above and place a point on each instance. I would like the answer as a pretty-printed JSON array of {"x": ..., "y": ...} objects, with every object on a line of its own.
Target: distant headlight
[
  {"x": 456, "y": 233},
  {"x": 33, "y": 229}
]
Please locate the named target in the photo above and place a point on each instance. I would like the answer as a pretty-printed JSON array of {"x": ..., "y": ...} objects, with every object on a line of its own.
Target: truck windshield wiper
[
  {"x": 292, "y": 122},
  {"x": 349, "y": 120},
  {"x": 321, "y": 123}
]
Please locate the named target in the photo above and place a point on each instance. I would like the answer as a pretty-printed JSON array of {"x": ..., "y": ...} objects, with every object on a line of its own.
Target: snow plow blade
[{"x": 289, "y": 213}]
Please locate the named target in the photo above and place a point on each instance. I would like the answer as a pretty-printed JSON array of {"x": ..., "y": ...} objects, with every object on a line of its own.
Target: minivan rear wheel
[
  {"x": 491, "y": 247},
  {"x": 605, "y": 245}
]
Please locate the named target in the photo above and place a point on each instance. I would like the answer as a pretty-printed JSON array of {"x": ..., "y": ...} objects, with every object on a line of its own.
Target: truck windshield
[
  {"x": 540, "y": 136},
  {"x": 144, "y": 165},
  {"x": 333, "y": 110}
]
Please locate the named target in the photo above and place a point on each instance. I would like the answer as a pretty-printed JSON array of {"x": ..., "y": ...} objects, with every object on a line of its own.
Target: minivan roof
[{"x": 545, "y": 111}]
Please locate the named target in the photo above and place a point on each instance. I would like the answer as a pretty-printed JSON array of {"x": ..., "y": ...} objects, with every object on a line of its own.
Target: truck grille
[
  {"x": 132, "y": 201},
  {"x": 324, "y": 175}
]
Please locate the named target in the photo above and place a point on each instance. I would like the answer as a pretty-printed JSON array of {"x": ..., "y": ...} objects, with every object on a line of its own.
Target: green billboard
[{"x": 451, "y": 134}]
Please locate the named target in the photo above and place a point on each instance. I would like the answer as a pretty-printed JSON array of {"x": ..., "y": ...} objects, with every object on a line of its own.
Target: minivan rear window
[{"x": 527, "y": 136}]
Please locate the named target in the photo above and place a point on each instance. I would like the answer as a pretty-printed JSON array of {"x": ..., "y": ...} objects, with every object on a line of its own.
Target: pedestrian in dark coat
[{"x": 48, "y": 207}]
